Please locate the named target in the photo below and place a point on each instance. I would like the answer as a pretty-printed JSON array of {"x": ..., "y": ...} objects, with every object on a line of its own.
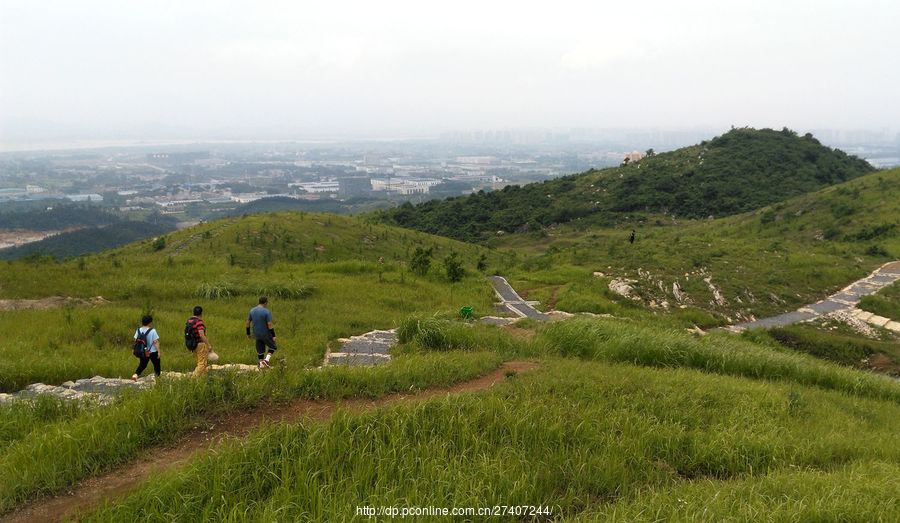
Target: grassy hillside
[
  {"x": 885, "y": 303},
  {"x": 328, "y": 276},
  {"x": 623, "y": 416},
  {"x": 282, "y": 204},
  {"x": 644, "y": 438},
  {"x": 767, "y": 261},
  {"x": 739, "y": 171}
]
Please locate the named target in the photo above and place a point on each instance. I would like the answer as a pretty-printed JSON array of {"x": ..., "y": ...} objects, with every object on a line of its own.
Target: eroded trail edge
[{"x": 92, "y": 491}]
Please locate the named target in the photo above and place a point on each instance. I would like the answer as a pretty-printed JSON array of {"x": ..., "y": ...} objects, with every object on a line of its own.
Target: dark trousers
[
  {"x": 262, "y": 343},
  {"x": 154, "y": 357}
]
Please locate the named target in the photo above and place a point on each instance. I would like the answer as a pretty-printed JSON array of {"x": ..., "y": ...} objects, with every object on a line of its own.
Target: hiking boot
[
  {"x": 134, "y": 377},
  {"x": 263, "y": 364}
]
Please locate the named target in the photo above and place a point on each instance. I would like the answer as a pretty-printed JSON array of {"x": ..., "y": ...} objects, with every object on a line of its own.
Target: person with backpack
[
  {"x": 196, "y": 341},
  {"x": 146, "y": 347},
  {"x": 260, "y": 318}
]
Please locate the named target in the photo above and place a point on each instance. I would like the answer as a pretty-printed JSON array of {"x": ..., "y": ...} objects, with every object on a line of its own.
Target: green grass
[
  {"x": 862, "y": 491},
  {"x": 49, "y": 454},
  {"x": 845, "y": 349},
  {"x": 21, "y": 418},
  {"x": 720, "y": 353},
  {"x": 764, "y": 262},
  {"x": 626, "y": 414},
  {"x": 885, "y": 303},
  {"x": 341, "y": 291},
  {"x": 583, "y": 437}
]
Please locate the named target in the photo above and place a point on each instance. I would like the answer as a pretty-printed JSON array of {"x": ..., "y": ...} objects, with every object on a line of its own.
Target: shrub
[{"x": 453, "y": 267}]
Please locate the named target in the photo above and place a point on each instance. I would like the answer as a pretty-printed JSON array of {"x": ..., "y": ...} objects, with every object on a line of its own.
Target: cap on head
[
  {"x": 198, "y": 310},
  {"x": 147, "y": 320},
  {"x": 263, "y": 300}
]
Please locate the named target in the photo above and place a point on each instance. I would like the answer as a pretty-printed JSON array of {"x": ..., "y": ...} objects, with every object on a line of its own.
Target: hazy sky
[{"x": 92, "y": 69}]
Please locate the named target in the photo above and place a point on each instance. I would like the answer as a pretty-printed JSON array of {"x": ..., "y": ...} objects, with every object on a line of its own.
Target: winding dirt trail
[{"x": 118, "y": 482}]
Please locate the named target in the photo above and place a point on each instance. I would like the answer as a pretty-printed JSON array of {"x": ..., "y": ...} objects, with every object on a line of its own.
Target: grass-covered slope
[
  {"x": 885, "y": 303},
  {"x": 327, "y": 276},
  {"x": 620, "y": 410},
  {"x": 763, "y": 262},
  {"x": 739, "y": 171},
  {"x": 625, "y": 426}
]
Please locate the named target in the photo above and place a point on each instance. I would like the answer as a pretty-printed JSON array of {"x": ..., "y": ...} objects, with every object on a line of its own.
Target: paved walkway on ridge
[
  {"x": 845, "y": 299},
  {"x": 511, "y": 301}
]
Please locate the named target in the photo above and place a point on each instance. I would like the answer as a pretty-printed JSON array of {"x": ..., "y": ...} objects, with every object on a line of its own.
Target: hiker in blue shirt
[
  {"x": 260, "y": 319},
  {"x": 146, "y": 336}
]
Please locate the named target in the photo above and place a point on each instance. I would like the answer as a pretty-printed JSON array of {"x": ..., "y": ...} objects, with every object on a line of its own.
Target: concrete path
[
  {"x": 845, "y": 299},
  {"x": 371, "y": 348},
  {"x": 512, "y": 302}
]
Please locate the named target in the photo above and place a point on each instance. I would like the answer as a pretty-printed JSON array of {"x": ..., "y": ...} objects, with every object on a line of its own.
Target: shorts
[{"x": 262, "y": 343}]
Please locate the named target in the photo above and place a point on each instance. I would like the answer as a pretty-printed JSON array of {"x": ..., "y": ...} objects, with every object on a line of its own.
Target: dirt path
[{"x": 119, "y": 482}]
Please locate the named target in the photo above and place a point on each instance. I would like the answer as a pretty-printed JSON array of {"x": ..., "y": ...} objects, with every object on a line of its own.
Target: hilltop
[
  {"x": 742, "y": 170},
  {"x": 767, "y": 261}
]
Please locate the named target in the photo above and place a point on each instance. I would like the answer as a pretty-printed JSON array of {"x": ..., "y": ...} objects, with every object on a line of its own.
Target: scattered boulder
[
  {"x": 718, "y": 299},
  {"x": 680, "y": 296},
  {"x": 622, "y": 287}
]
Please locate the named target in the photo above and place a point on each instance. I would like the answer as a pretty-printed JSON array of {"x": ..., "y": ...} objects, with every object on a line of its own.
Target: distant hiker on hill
[
  {"x": 195, "y": 339},
  {"x": 146, "y": 347},
  {"x": 631, "y": 239},
  {"x": 260, "y": 318}
]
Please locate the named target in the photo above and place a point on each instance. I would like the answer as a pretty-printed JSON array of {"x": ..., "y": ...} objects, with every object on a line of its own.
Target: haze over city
[{"x": 103, "y": 71}]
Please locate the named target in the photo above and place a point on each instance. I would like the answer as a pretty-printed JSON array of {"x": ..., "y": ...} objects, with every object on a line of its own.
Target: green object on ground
[{"x": 466, "y": 312}]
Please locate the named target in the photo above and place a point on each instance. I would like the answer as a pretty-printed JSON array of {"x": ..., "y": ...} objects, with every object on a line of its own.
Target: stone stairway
[{"x": 371, "y": 348}]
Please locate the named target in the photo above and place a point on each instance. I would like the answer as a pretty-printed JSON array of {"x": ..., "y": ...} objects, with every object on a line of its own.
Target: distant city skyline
[{"x": 100, "y": 71}]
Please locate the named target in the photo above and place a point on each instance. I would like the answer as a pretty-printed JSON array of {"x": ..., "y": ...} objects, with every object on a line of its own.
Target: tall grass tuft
[
  {"x": 434, "y": 333},
  {"x": 75, "y": 446},
  {"x": 216, "y": 291},
  {"x": 578, "y": 436},
  {"x": 720, "y": 353}
]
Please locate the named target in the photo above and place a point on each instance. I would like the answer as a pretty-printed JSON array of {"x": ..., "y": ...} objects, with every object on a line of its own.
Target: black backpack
[
  {"x": 140, "y": 343},
  {"x": 191, "y": 337}
]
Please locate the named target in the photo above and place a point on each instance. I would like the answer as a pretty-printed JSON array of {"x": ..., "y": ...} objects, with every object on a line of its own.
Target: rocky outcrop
[{"x": 622, "y": 287}]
